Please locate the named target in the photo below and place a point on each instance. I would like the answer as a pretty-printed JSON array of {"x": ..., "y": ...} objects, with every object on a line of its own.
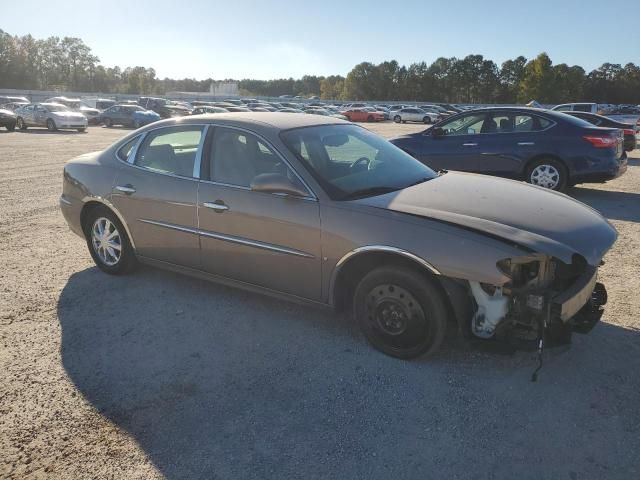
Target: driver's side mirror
[
  {"x": 276, "y": 183},
  {"x": 438, "y": 132}
]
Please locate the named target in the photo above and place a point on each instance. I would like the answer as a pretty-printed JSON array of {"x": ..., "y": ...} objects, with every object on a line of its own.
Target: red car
[{"x": 361, "y": 115}]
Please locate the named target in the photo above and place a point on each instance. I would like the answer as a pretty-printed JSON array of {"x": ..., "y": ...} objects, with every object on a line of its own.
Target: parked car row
[{"x": 317, "y": 209}]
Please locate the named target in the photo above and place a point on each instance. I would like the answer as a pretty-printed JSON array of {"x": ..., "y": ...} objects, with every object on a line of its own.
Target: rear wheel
[
  {"x": 425, "y": 120},
  {"x": 548, "y": 173},
  {"x": 108, "y": 123},
  {"x": 51, "y": 125},
  {"x": 136, "y": 124},
  {"x": 82, "y": 130},
  {"x": 108, "y": 243},
  {"x": 11, "y": 126},
  {"x": 401, "y": 312}
]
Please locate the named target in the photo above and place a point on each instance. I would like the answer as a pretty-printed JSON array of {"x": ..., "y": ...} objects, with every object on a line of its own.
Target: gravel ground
[{"x": 156, "y": 375}]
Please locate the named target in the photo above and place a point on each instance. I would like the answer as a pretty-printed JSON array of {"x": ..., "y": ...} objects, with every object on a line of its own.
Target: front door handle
[
  {"x": 526, "y": 144},
  {"x": 128, "y": 189},
  {"x": 469, "y": 144},
  {"x": 218, "y": 206}
]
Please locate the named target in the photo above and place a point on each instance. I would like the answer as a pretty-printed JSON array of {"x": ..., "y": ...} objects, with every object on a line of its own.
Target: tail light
[
  {"x": 629, "y": 131},
  {"x": 601, "y": 141}
]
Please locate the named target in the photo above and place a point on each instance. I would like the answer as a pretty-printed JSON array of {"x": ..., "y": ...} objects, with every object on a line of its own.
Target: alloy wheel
[
  {"x": 106, "y": 241},
  {"x": 546, "y": 176}
]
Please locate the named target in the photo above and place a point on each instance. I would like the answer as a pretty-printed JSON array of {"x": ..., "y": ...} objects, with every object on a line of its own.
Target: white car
[
  {"x": 51, "y": 115},
  {"x": 76, "y": 105},
  {"x": 414, "y": 115}
]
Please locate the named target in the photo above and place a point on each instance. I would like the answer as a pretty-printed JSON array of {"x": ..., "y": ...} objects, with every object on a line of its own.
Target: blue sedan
[
  {"x": 128, "y": 115},
  {"x": 544, "y": 148}
]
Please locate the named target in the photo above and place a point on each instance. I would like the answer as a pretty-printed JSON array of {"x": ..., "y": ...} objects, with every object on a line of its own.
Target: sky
[{"x": 281, "y": 39}]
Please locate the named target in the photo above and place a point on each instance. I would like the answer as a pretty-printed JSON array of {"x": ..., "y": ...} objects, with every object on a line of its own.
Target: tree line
[{"x": 68, "y": 64}]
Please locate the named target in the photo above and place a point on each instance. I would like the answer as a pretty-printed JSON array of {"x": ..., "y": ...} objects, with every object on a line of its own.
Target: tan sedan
[{"x": 319, "y": 210}]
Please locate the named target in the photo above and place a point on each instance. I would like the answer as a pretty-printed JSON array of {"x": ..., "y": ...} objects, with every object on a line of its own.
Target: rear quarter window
[{"x": 125, "y": 150}]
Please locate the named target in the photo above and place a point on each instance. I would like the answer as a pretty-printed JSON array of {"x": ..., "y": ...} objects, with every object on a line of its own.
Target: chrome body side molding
[{"x": 230, "y": 238}]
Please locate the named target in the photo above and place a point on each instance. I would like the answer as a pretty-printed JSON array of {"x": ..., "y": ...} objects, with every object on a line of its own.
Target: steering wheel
[{"x": 362, "y": 160}]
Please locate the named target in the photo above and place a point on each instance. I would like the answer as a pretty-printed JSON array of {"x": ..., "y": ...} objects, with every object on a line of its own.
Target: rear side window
[
  {"x": 582, "y": 108},
  {"x": 125, "y": 150},
  {"x": 170, "y": 150}
]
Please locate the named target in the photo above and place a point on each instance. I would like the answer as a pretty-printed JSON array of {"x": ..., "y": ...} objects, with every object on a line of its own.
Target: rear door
[
  {"x": 264, "y": 239},
  {"x": 156, "y": 192}
]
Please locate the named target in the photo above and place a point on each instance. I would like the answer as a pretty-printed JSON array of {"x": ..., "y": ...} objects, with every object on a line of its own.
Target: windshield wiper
[{"x": 369, "y": 192}]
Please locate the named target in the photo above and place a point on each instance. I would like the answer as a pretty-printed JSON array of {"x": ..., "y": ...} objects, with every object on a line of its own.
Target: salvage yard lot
[{"x": 156, "y": 375}]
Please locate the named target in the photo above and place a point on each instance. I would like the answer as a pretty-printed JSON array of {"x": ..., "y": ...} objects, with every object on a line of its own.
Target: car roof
[{"x": 258, "y": 120}]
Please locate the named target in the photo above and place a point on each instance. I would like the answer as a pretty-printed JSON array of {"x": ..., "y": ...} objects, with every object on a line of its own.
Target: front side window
[
  {"x": 351, "y": 162},
  {"x": 465, "y": 125},
  {"x": 237, "y": 157},
  {"x": 170, "y": 150}
]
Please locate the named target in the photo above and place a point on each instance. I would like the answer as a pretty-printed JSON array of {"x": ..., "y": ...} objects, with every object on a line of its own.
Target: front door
[
  {"x": 459, "y": 147},
  {"x": 156, "y": 193},
  {"x": 264, "y": 239}
]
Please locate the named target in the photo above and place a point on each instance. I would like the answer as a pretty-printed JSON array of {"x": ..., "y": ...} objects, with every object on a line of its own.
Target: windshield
[{"x": 351, "y": 162}]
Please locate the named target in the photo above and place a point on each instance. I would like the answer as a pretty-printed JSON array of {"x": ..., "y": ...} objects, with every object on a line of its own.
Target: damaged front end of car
[
  {"x": 541, "y": 290},
  {"x": 544, "y": 301}
]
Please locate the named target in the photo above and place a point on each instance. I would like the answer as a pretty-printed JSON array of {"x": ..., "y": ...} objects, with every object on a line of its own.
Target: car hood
[
  {"x": 6, "y": 113},
  {"x": 538, "y": 219},
  {"x": 89, "y": 111}
]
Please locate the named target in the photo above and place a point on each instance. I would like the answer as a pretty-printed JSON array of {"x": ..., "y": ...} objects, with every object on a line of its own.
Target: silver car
[
  {"x": 54, "y": 116},
  {"x": 319, "y": 210}
]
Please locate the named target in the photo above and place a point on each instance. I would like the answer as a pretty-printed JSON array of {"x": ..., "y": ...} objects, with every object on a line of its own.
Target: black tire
[
  {"x": 556, "y": 178},
  {"x": 20, "y": 123},
  {"x": 108, "y": 123},
  {"x": 11, "y": 126},
  {"x": 126, "y": 260},
  {"x": 136, "y": 124},
  {"x": 51, "y": 125},
  {"x": 369, "y": 118},
  {"x": 397, "y": 119},
  {"x": 425, "y": 120},
  {"x": 411, "y": 302},
  {"x": 82, "y": 130}
]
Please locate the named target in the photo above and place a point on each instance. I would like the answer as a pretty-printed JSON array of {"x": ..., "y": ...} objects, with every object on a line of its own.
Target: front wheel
[
  {"x": 51, "y": 125},
  {"x": 11, "y": 126},
  {"x": 425, "y": 120},
  {"x": 108, "y": 243},
  {"x": 20, "y": 123},
  {"x": 108, "y": 123},
  {"x": 548, "y": 173},
  {"x": 397, "y": 119},
  {"x": 401, "y": 312},
  {"x": 136, "y": 124},
  {"x": 369, "y": 118},
  {"x": 82, "y": 130}
]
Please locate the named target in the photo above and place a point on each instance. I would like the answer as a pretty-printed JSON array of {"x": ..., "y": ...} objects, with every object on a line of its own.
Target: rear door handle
[
  {"x": 128, "y": 189},
  {"x": 526, "y": 144},
  {"x": 469, "y": 144},
  {"x": 217, "y": 206}
]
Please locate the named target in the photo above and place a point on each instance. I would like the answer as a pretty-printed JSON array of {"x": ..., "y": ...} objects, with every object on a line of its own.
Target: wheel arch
[
  {"x": 91, "y": 203},
  {"x": 540, "y": 156},
  {"x": 354, "y": 265}
]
